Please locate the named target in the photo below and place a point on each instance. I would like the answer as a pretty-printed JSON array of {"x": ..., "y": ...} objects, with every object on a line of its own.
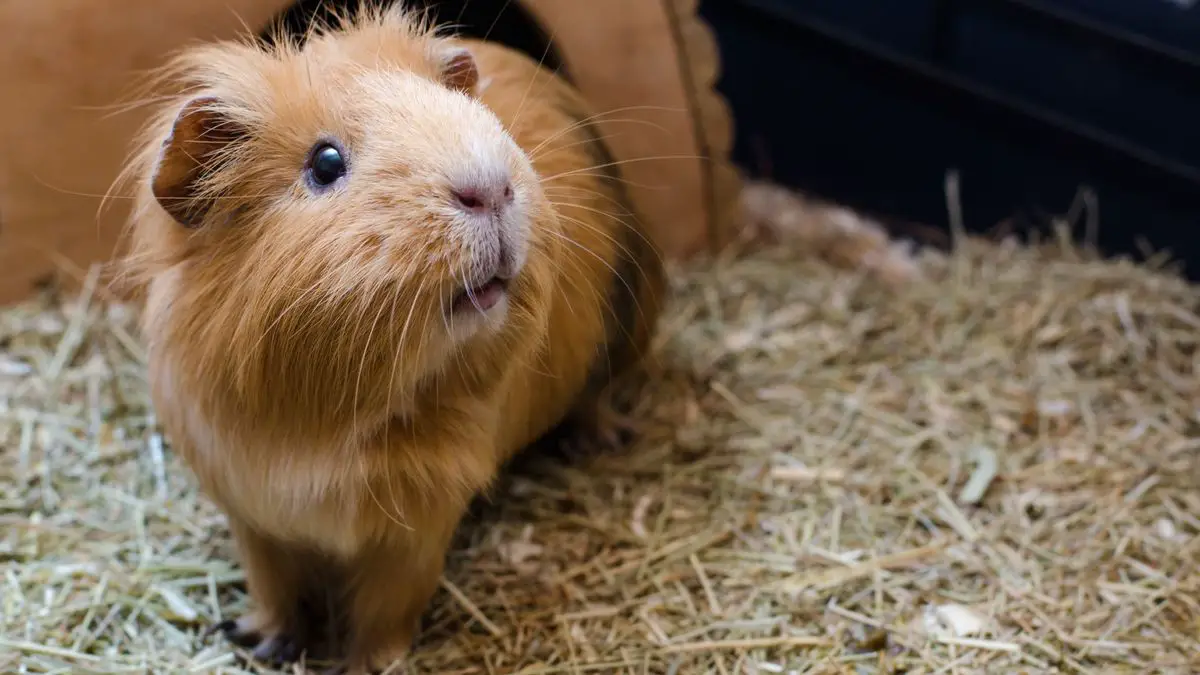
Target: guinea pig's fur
[{"x": 312, "y": 355}]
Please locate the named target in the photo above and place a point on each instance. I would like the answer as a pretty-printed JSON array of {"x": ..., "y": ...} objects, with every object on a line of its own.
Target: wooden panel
[{"x": 66, "y": 63}]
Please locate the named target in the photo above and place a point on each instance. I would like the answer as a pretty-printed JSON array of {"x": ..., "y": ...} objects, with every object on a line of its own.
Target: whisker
[
  {"x": 633, "y": 295},
  {"x": 533, "y": 78},
  {"x": 391, "y": 390},
  {"x": 495, "y": 21},
  {"x": 278, "y": 319},
  {"x": 618, "y": 219},
  {"x": 622, "y": 162},
  {"x": 579, "y": 124},
  {"x": 548, "y": 152},
  {"x": 362, "y": 364},
  {"x": 392, "y": 378},
  {"x": 456, "y": 354},
  {"x": 403, "y": 339},
  {"x": 622, "y": 248}
]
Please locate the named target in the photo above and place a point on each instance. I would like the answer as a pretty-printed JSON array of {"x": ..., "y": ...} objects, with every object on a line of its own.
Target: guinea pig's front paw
[{"x": 266, "y": 647}]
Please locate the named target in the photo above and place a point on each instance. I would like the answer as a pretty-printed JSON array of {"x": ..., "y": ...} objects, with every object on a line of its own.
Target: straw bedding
[{"x": 992, "y": 468}]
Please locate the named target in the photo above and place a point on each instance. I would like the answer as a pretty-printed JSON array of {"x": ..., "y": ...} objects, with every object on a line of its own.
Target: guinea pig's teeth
[{"x": 482, "y": 297}]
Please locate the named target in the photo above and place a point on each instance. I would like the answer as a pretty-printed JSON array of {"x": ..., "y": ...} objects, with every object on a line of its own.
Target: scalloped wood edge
[{"x": 712, "y": 114}]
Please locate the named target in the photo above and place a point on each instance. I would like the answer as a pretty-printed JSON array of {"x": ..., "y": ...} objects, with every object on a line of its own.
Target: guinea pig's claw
[
  {"x": 230, "y": 630},
  {"x": 276, "y": 649},
  {"x": 272, "y": 649},
  {"x": 225, "y": 627}
]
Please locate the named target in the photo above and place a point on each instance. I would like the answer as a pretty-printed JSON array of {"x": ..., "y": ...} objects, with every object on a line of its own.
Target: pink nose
[{"x": 483, "y": 198}]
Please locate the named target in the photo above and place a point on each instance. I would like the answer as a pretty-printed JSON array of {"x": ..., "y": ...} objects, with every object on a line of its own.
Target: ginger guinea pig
[{"x": 375, "y": 266}]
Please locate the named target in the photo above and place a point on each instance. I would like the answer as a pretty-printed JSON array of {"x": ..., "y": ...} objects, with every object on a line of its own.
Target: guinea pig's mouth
[{"x": 480, "y": 298}]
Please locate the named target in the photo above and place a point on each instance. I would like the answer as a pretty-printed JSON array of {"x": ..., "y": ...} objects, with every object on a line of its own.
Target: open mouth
[{"x": 480, "y": 298}]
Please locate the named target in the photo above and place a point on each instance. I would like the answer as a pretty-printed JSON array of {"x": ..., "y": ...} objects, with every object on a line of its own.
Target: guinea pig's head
[{"x": 338, "y": 223}]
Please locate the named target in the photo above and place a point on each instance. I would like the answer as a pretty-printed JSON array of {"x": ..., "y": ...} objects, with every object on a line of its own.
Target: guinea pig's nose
[{"x": 483, "y": 197}]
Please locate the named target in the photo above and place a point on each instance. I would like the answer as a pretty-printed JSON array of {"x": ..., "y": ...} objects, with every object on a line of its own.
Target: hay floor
[{"x": 994, "y": 470}]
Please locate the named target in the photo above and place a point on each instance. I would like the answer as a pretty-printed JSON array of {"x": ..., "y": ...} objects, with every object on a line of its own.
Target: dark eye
[{"x": 326, "y": 164}]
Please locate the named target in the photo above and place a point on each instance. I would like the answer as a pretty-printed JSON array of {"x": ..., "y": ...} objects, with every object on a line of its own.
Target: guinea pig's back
[{"x": 611, "y": 276}]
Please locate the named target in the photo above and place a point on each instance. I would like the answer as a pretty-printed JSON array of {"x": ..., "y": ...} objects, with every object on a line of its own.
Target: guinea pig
[{"x": 375, "y": 266}]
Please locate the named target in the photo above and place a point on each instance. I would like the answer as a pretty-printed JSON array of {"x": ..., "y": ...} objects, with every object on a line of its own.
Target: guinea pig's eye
[{"x": 326, "y": 164}]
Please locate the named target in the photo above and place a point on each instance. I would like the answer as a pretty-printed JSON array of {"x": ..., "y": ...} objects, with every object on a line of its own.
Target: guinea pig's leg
[
  {"x": 276, "y": 578},
  {"x": 393, "y": 585}
]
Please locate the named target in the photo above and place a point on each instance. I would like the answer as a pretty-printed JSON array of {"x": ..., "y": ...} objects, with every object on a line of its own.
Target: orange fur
[{"x": 301, "y": 357}]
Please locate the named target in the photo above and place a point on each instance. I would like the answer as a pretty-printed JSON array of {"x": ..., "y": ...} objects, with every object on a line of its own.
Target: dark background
[
  {"x": 1028, "y": 100},
  {"x": 872, "y": 102}
]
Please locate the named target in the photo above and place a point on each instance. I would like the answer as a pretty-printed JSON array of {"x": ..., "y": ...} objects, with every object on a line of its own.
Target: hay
[{"x": 990, "y": 470}]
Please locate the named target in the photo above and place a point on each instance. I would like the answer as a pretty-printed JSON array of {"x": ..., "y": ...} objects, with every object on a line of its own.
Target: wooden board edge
[{"x": 713, "y": 119}]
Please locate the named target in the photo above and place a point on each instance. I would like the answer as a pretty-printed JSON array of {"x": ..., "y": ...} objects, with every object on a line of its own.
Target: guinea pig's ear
[
  {"x": 459, "y": 70},
  {"x": 200, "y": 132}
]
